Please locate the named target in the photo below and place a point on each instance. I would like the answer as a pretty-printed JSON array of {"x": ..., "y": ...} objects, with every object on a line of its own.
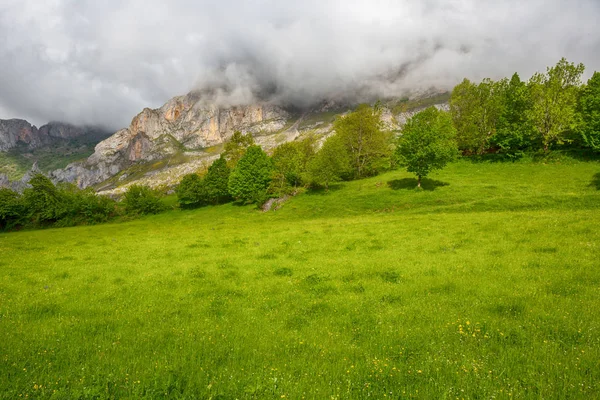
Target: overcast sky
[{"x": 102, "y": 62}]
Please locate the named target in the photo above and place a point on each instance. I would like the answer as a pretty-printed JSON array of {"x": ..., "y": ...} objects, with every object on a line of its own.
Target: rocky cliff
[
  {"x": 184, "y": 124},
  {"x": 15, "y": 132},
  {"x": 187, "y": 132}
]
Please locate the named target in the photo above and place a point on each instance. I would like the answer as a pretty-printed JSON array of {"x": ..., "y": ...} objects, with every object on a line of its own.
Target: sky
[{"x": 101, "y": 62}]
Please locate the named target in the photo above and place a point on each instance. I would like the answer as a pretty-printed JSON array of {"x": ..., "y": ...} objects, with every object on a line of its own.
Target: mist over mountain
[{"x": 99, "y": 63}]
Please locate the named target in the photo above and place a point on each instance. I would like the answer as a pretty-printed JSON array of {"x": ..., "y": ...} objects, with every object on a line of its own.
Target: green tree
[
  {"x": 236, "y": 147},
  {"x": 44, "y": 201},
  {"x": 365, "y": 142},
  {"x": 428, "y": 142},
  {"x": 589, "y": 112},
  {"x": 251, "y": 177},
  {"x": 514, "y": 131},
  {"x": 330, "y": 163},
  {"x": 475, "y": 112},
  {"x": 216, "y": 182},
  {"x": 554, "y": 100},
  {"x": 142, "y": 200},
  {"x": 12, "y": 209},
  {"x": 191, "y": 191},
  {"x": 290, "y": 161}
]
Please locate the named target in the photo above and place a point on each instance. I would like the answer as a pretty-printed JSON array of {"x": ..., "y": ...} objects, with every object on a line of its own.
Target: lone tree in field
[
  {"x": 428, "y": 142},
  {"x": 251, "y": 177}
]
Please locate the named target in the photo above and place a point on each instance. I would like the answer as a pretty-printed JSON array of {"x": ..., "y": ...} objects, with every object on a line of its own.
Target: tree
[
  {"x": 191, "y": 191},
  {"x": 44, "y": 202},
  {"x": 251, "y": 177},
  {"x": 330, "y": 163},
  {"x": 290, "y": 161},
  {"x": 554, "y": 100},
  {"x": 12, "y": 210},
  {"x": 236, "y": 147},
  {"x": 142, "y": 200},
  {"x": 514, "y": 131},
  {"x": 589, "y": 112},
  {"x": 216, "y": 182},
  {"x": 475, "y": 111},
  {"x": 365, "y": 142},
  {"x": 428, "y": 142}
]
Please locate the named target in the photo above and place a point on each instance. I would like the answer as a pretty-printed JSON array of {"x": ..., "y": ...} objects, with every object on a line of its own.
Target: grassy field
[{"x": 484, "y": 285}]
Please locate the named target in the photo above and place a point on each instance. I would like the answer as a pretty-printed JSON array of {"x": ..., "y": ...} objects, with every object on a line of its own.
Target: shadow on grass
[
  {"x": 320, "y": 191},
  {"x": 411, "y": 183},
  {"x": 596, "y": 181}
]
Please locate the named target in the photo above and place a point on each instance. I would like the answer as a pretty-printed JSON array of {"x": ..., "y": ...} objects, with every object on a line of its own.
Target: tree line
[
  {"x": 511, "y": 117},
  {"x": 508, "y": 117}
]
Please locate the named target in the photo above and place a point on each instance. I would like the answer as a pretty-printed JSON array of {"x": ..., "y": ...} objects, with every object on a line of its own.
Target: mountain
[
  {"x": 186, "y": 134},
  {"x": 51, "y": 146}
]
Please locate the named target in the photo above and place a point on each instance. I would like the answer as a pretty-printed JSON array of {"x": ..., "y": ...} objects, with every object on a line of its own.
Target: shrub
[
  {"x": 141, "y": 200},
  {"x": 191, "y": 192},
  {"x": 251, "y": 177}
]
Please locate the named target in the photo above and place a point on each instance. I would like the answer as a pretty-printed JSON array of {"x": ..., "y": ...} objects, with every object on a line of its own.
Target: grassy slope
[
  {"x": 485, "y": 286},
  {"x": 15, "y": 163}
]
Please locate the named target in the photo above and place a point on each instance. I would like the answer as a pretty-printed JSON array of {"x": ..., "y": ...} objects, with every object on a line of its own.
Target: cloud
[{"x": 91, "y": 62}]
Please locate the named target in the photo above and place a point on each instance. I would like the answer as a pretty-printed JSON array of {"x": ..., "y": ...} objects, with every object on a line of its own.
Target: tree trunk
[{"x": 419, "y": 181}]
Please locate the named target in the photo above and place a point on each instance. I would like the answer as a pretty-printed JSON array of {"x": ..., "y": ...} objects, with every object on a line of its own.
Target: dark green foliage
[
  {"x": 251, "y": 177},
  {"x": 589, "y": 112},
  {"x": 216, "y": 182},
  {"x": 94, "y": 209},
  {"x": 366, "y": 144},
  {"x": 191, "y": 191},
  {"x": 514, "y": 132},
  {"x": 44, "y": 202},
  {"x": 428, "y": 142},
  {"x": 330, "y": 163},
  {"x": 60, "y": 205},
  {"x": 141, "y": 200},
  {"x": 236, "y": 147},
  {"x": 290, "y": 161},
  {"x": 12, "y": 210}
]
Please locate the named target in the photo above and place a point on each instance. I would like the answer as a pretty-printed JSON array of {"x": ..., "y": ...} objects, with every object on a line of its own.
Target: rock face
[
  {"x": 183, "y": 123},
  {"x": 17, "y": 131},
  {"x": 187, "y": 124}
]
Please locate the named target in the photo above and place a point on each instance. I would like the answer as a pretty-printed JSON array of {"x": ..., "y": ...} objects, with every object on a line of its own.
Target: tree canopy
[{"x": 428, "y": 142}]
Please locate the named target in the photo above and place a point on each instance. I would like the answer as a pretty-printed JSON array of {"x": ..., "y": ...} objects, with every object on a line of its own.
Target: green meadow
[{"x": 486, "y": 284}]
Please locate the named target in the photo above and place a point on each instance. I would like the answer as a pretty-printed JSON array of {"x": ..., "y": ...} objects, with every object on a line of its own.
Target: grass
[
  {"x": 483, "y": 285},
  {"x": 16, "y": 162}
]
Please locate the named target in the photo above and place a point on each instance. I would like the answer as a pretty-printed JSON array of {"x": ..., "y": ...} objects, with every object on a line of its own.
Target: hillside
[
  {"x": 482, "y": 285},
  {"x": 186, "y": 134},
  {"x": 52, "y": 146}
]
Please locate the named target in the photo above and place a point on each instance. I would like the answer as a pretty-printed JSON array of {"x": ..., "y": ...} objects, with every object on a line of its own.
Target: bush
[
  {"x": 12, "y": 209},
  {"x": 44, "y": 202},
  {"x": 141, "y": 200},
  {"x": 191, "y": 192}
]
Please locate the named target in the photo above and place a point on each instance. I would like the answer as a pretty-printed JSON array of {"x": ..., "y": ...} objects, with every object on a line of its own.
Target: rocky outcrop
[
  {"x": 188, "y": 124},
  {"x": 184, "y": 123},
  {"x": 15, "y": 132}
]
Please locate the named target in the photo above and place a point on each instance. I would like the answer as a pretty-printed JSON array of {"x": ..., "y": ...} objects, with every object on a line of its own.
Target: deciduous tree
[{"x": 428, "y": 142}]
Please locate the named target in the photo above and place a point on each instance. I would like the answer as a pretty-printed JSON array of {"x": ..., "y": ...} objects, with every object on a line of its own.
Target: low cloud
[{"x": 91, "y": 62}]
